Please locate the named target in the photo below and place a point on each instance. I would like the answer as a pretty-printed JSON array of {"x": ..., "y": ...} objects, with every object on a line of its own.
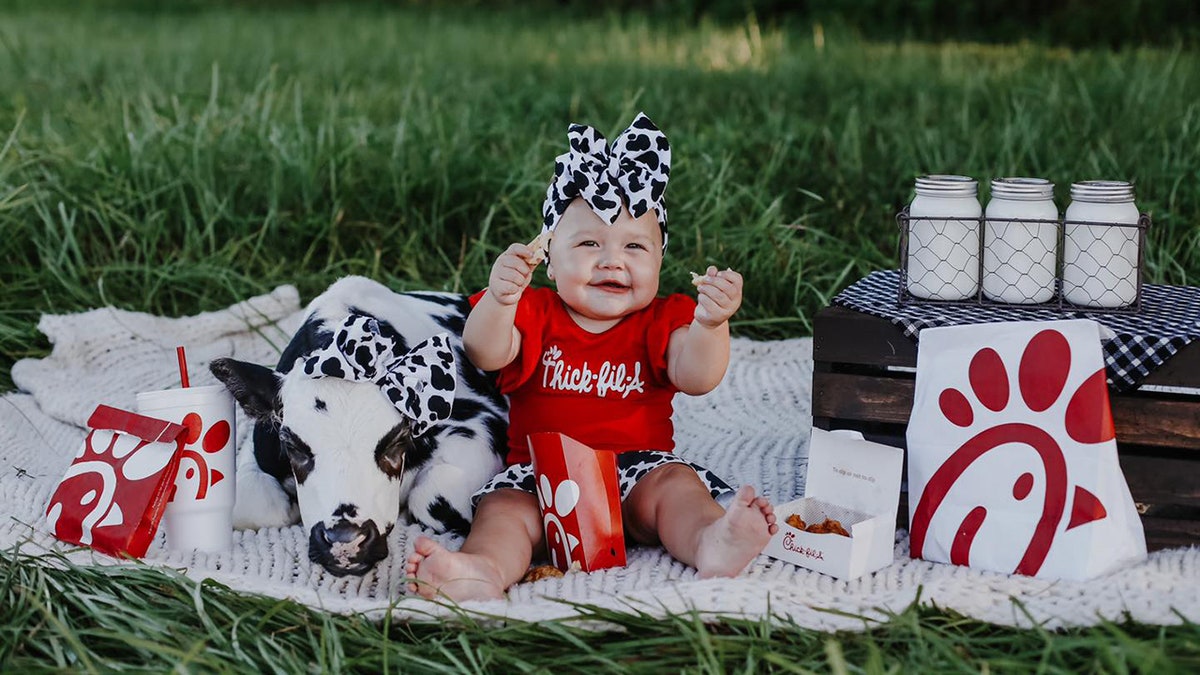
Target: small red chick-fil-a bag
[
  {"x": 1012, "y": 453},
  {"x": 114, "y": 493},
  {"x": 580, "y": 497}
]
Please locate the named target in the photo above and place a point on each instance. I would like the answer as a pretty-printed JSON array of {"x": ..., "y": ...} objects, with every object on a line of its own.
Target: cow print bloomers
[{"x": 631, "y": 468}]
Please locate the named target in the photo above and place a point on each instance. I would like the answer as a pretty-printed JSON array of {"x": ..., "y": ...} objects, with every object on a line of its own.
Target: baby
[{"x": 607, "y": 225}]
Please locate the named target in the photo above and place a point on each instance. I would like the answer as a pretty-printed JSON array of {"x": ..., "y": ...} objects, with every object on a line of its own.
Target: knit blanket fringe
[{"x": 752, "y": 429}]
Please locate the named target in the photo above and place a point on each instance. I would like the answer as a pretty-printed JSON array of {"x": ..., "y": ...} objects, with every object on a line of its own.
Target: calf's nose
[
  {"x": 346, "y": 548},
  {"x": 344, "y": 532}
]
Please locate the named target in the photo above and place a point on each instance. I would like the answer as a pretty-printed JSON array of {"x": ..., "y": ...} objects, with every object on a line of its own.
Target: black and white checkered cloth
[{"x": 1169, "y": 319}]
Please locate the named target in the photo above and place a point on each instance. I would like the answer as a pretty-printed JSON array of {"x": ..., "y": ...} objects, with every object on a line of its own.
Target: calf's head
[{"x": 344, "y": 417}]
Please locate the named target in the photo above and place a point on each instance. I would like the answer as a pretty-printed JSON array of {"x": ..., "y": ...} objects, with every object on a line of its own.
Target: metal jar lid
[
  {"x": 1102, "y": 191},
  {"x": 1022, "y": 189},
  {"x": 944, "y": 185}
]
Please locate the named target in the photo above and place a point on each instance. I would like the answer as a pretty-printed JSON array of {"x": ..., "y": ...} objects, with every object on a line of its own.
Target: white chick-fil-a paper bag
[{"x": 1012, "y": 454}]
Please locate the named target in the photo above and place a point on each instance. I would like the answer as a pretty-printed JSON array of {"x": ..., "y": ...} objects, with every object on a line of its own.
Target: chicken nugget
[
  {"x": 835, "y": 527},
  {"x": 541, "y": 572}
]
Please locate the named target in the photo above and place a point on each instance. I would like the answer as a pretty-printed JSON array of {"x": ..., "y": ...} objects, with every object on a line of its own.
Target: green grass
[
  {"x": 181, "y": 162},
  {"x": 56, "y": 616}
]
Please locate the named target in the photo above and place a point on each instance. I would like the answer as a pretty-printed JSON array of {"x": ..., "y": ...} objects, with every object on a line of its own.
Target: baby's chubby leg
[
  {"x": 506, "y": 530},
  {"x": 672, "y": 506}
]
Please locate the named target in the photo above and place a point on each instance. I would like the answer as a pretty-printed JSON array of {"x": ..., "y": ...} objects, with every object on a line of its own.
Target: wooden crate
[{"x": 863, "y": 378}]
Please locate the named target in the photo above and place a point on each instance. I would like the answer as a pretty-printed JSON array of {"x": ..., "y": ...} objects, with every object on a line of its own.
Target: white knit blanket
[{"x": 752, "y": 429}]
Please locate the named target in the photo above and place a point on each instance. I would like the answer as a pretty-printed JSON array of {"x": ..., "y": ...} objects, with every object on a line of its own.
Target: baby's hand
[
  {"x": 511, "y": 274},
  {"x": 719, "y": 296}
]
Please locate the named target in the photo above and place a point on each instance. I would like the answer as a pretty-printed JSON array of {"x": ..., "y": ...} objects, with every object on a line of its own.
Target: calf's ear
[
  {"x": 393, "y": 448},
  {"x": 255, "y": 387}
]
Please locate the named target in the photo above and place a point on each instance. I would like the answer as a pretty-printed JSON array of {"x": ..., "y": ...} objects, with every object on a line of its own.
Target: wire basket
[{"x": 1080, "y": 266}]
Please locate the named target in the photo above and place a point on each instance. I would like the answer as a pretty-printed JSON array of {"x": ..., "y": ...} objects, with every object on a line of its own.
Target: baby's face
[{"x": 604, "y": 272}]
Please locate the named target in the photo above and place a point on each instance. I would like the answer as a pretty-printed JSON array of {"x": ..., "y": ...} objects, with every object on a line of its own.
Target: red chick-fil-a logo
[
  {"x": 1040, "y": 381},
  {"x": 789, "y": 544},
  {"x": 193, "y": 466}
]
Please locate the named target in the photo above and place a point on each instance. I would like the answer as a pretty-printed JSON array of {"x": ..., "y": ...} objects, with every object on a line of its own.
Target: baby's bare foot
[
  {"x": 731, "y": 542},
  {"x": 451, "y": 574}
]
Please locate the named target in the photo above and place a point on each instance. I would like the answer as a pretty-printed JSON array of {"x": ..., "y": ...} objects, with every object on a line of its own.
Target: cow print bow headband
[
  {"x": 634, "y": 171},
  {"x": 420, "y": 382}
]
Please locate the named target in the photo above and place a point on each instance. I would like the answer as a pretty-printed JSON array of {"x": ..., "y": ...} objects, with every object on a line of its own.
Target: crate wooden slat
[
  {"x": 1160, "y": 482},
  {"x": 863, "y": 378},
  {"x": 1164, "y": 421},
  {"x": 1168, "y": 532},
  {"x": 845, "y": 336},
  {"x": 1163, "y": 527}
]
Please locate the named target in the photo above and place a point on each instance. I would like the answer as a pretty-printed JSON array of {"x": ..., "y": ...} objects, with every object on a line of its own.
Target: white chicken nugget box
[{"x": 856, "y": 482}]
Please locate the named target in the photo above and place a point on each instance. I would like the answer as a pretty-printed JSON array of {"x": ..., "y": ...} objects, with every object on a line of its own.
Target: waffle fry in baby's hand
[{"x": 539, "y": 245}]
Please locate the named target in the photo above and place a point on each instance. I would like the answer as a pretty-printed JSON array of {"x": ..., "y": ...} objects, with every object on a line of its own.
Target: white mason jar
[
  {"x": 943, "y": 238},
  {"x": 1101, "y": 245},
  {"x": 1020, "y": 241}
]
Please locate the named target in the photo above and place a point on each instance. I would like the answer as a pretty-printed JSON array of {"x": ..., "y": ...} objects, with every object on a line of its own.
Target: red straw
[{"x": 183, "y": 377}]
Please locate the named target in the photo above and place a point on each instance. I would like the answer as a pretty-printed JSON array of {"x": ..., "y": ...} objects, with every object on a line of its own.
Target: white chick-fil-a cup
[{"x": 199, "y": 516}]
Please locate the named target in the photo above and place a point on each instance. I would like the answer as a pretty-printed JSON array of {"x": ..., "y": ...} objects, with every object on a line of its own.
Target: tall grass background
[{"x": 182, "y": 161}]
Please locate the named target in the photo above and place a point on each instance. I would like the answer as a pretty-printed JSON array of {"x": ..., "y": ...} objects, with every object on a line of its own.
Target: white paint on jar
[
  {"x": 1020, "y": 241},
  {"x": 1101, "y": 245},
  {"x": 943, "y": 238}
]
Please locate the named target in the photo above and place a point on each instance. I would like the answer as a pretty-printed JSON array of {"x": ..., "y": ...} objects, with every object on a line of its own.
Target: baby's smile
[{"x": 610, "y": 285}]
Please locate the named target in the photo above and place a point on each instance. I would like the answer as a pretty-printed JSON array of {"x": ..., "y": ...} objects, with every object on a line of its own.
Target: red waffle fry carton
[
  {"x": 113, "y": 494},
  {"x": 855, "y": 482},
  {"x": 580, "y": 497}
]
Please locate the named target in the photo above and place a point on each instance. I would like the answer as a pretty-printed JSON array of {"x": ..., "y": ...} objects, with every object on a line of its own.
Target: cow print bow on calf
[
  {"x": 419, "y": 382},
  {"x": 634, "y": 170}
]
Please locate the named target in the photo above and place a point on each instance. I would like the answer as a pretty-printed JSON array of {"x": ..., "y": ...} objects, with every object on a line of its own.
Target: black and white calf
[{"x": 351, "y": 453}]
